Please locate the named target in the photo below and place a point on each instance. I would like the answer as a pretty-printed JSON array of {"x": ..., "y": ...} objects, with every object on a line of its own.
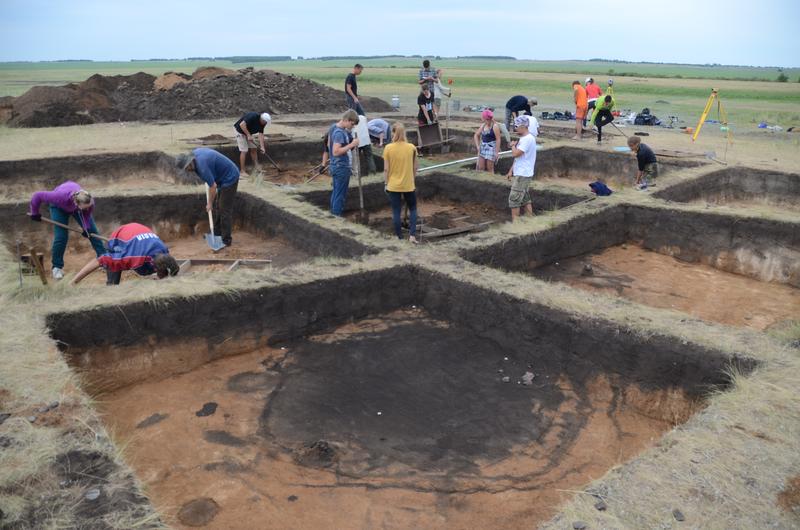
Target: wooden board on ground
[
  {"x": 672, "y": 153},
  {"x": 220, "y": 140}
]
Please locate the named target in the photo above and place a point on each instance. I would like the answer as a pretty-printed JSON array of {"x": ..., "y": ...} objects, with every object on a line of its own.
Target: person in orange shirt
[
  {"x": 581, "y": 108},
  {"x": 593, "y": 93}
]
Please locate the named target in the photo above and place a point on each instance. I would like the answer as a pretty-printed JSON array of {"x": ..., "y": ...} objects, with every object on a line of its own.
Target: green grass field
[{"x": 749, "y": 94}]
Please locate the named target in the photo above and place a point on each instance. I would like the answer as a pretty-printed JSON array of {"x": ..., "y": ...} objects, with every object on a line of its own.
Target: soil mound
[{"x": 210, "y": 93}]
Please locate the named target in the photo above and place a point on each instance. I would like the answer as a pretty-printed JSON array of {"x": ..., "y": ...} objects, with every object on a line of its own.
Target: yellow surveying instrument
[{"x": 721, "y": 114}]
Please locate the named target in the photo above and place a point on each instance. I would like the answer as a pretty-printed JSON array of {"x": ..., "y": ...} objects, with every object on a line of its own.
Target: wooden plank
[
  {"x": 234, "y": 265},
  {"x": 458, "y": 230},
  {"x": 184, "y": 266},
  {"x": 38, "y": 264}
]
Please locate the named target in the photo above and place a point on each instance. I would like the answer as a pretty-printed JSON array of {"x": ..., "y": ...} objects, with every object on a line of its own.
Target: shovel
[
  {"x": 62, "y": 225},
  {"x": 215, "y": 242}
]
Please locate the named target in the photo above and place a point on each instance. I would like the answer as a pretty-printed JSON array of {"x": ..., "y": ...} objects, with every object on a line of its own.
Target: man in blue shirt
[
  {"x": 222, "y": 177},
  {"x": 340, "y": 145}
]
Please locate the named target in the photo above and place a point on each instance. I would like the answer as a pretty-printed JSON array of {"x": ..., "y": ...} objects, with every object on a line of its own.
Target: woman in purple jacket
[{"x": 67, "y": 200}]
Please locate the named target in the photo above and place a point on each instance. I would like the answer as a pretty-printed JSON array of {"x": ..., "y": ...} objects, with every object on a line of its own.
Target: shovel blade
[{"x": 215, "y": 242}]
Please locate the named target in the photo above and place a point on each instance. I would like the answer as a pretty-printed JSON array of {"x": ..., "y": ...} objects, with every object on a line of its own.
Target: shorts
[
  {"x": 520, "y": 192},
  {"x": 488, "y": 150},
  {"x": 244, "y": 145},
  {"x": 580, "y": 112},
  {"x": 650, "y": 173}
]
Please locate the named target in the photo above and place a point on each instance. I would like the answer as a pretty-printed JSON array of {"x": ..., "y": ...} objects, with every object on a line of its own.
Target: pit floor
[
  {"x": 436, "y": 212},
  {"x": 397, "y": 421},
  {"x": 659, "y": 280},
  {"x": 246, "y": 245}
]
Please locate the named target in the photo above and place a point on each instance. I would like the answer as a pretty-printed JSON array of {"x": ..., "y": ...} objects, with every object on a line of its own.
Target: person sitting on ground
[
  {"x": 222, "y": 178},
  {"x": 65, "y": 201},
  {"x": 132, "y": 247},
  {"x": 602, "y": 116},
  {"x": 521, "y": 172},
  {"x": 351, "y": 90},
  {"x": 245, "y": 127},
  {"x": 581, "y": 108},
  {"x": 426, "y": 114},
  {"x": 517, "y": 106},
  {"x": 487, "y": 142},
  {"x": 593, "y": 93},
  {"x": 379, "y": 131},
  {"x": 340, "y": 145},
  {"x": 648, "y": 164},
  {"x": 399, "y": 170}
]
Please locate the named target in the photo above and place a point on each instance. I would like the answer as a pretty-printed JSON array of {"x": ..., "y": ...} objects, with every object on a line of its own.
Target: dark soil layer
[
  {"x": 450, "y": 188},
  {"x": 762, "y": 249},
  {"x": 739, "y": 185},
  {"x": 139, "y": 98},
  {"x": 589, "y": 165},
  {"x": 22, "y": 177},
  {"x": 184, "y": 215}
]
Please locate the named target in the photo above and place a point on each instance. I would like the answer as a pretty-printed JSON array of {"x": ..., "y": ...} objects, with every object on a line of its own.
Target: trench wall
[
  {"x": 184, "y": 215},
  {"x": 737, "y": 183},
  {"x": 446, "y": 186},
  {"x": 763, "y": 249},
  {"x": 138, "y": 347}
]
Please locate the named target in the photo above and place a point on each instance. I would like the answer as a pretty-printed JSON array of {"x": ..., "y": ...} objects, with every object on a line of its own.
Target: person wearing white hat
[
  {"x": 244, "y": 128},
  {"x": 521, "y": 172}
]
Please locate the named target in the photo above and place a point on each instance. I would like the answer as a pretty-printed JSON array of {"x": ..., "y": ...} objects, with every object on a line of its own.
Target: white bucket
[{"x": 395, "y": 102}]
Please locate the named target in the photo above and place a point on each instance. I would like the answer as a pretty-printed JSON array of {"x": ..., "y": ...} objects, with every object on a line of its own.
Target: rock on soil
[
  {"x": 210, "y": 93},
  {"x": 198, "y": 512}
]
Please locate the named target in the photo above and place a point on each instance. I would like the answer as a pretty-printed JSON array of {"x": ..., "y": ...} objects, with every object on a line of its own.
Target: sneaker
[
  {"x": 413, "y": 240},
  {"x": 641, "y": 187},
  {"x": 58, "y": 273}
]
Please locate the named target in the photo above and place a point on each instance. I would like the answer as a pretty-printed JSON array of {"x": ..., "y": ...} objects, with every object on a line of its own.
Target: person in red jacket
[{"x": 132, "y": 247}]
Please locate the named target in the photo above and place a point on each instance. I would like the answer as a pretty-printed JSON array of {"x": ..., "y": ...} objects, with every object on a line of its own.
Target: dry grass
[{"x": 722, "y": 469}]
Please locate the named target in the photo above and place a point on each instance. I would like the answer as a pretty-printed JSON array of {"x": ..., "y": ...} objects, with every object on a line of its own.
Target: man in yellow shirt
[{"x": 399, "y": 170}]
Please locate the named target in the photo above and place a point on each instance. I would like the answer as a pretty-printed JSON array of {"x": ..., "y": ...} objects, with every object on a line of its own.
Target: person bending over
[{"x": 132, "y": 247}]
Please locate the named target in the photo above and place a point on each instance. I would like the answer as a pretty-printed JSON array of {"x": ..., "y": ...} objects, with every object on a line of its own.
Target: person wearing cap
[
  {"x": 222, "y": 178},
  {"x": 426, "y": 114},
  {"x": 340, "y": 145},
  {"x": 602, "y": 115},
  {"x": 581, "y": 108},
  {"x": 521, "y": 172},
  {"x": 245, "y": 127},
  {"x": 487, "y": 142},
  {"x": 517, "y": 106},
  {"x": 351, "y": 90},
  {"x": 379, "y": 131},
  {"x": 132, "y": 247},
  {"x": 65, "y": 201},
  {"x": 593, "y": 93}
]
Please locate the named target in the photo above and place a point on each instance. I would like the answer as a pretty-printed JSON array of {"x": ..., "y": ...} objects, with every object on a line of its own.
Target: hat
[
  {"x": 266, "y": 117},
  {"x": 487, "y": 114},
  {"x": 183, "y": 160},
  {"x": 533, "y": 102},
  {"x": 589, "y": 80},
  {"x": 522, "y": 121}
]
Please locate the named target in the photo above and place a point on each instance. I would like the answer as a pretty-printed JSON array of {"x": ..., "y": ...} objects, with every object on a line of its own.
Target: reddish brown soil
[
  {"x": 256, "y": 480},
  {"x": 662, "y": 281},
  {"x": 789, "y": 498}
]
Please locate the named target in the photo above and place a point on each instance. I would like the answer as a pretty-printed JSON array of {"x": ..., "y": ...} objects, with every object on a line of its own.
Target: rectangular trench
[
  {"x": 738, "y": 271},
  {"x": 399, "y": 387},
  {"x": 451, "y": 194}
]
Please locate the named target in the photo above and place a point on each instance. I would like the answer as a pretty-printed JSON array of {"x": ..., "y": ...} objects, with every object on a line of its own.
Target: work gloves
[{"x": 36, "y": 217}]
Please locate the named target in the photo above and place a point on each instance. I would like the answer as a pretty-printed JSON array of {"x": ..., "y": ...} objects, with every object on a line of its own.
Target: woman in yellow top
[{"x": 399, "y": 170}]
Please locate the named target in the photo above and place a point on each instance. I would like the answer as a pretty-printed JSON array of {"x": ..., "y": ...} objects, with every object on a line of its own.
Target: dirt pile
[{"x": 210, "y": 93}]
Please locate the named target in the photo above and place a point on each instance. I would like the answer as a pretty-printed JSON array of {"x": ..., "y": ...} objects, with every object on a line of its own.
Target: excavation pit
[
  {"x": 447, "y": 205},
  {"x": 114, "y": 171},
  {"x": 739, "y": 187},
  {"x": 261, "y": 231},
  {"x": 740, "y": 272},
  {"x": 574, "y": 167},
  {"x": 397, "y": 396}
]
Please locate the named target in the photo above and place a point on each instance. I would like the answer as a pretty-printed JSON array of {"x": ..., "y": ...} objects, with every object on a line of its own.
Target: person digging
[
  {"x": 65, "y": 201},
  {"x": 245, "y": 127},
  {"x": 132, "y": 247},
  {"x": 222, "y": 180}
]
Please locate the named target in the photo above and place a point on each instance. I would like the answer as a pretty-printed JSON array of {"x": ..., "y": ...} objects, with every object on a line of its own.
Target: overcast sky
[{"x": 762, "y": 33}]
